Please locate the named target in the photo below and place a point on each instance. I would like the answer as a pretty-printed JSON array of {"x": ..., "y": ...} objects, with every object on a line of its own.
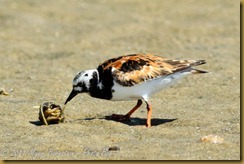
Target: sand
[{"x": 43, "y": 44}]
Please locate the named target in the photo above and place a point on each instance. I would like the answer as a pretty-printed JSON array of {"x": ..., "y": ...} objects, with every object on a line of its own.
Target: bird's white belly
[{"x": 145, "y": 89}]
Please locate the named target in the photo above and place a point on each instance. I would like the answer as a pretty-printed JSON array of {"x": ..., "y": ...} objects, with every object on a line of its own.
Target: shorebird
[{"x": 132, "y": 77}]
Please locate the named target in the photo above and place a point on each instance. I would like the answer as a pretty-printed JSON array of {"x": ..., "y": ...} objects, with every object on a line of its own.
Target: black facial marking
[
  {"x": 83, "y": 86},
  {"x": 94, "y": 75},
  {"x": 94, "y": 80},
  {"x": 105, "y": 77}
]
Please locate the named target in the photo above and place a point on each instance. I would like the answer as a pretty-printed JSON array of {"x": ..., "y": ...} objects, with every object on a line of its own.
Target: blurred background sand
[{"x": 43, "y": 44}]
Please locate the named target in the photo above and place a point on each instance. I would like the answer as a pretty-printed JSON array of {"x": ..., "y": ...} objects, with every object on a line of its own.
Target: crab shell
[{"x": 52, "y": 112}]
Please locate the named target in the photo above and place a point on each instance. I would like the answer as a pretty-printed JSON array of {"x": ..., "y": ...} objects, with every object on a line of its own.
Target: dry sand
[{"x": 43, "y": 44}]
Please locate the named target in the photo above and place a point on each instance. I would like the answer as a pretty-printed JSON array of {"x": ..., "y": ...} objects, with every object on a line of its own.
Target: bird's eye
[{"x": 86, "y": 74}]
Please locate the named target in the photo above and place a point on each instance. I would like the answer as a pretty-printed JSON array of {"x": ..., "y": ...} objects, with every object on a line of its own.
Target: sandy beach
[{"x": 43, "y": 44}]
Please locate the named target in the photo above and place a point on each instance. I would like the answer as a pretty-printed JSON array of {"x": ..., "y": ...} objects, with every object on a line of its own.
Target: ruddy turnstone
[{"x": 132, "y": 77}]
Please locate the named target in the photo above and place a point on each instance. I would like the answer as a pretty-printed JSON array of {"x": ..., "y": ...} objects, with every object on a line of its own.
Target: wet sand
[{"x": 43, "y": 44}]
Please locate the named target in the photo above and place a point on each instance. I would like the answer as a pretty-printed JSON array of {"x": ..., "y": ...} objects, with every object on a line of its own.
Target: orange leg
[
  {"x": 149, "y": 114},
  {"x": 127, "y": 116}
]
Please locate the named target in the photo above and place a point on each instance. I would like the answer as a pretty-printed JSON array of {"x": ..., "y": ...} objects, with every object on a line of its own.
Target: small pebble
[
  {"x": 114, "y": 148},
  {"x": 212, "y": 139},
  {"x": 3, "y": 92}
]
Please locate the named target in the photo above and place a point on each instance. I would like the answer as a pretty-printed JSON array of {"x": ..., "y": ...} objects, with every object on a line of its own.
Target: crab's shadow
[
  {"x": 134, "y": 121},
  {"x": 37, "y": 123}
]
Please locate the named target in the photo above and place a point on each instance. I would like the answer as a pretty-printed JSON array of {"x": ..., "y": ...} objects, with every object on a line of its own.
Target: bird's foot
[{"x": 120, "y": 117}]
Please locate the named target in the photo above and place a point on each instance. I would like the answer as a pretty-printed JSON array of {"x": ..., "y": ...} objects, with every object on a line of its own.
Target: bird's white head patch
[{"x": 82, "y": 80}]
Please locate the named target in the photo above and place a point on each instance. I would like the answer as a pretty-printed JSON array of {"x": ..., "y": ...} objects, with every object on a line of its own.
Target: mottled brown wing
[{"x": 136, "y": 68}]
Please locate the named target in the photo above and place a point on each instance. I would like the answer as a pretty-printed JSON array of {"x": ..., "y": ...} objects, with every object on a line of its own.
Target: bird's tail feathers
[{"x": 197, "y": 71}]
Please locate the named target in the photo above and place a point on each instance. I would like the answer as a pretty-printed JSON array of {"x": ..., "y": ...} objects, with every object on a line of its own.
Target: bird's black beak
[{"x": 71, "y": 96}]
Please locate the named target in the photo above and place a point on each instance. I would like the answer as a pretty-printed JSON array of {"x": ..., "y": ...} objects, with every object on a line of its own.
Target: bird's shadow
[
  {"x": 132, "y": 121},
  {"x": 135, "y": 121}
]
